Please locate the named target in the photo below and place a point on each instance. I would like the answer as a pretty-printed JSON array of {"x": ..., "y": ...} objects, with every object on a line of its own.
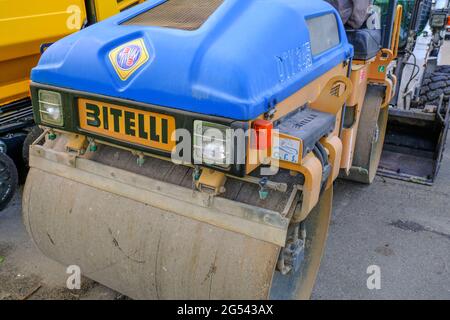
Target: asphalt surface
[{"x": 402, "y": 228}]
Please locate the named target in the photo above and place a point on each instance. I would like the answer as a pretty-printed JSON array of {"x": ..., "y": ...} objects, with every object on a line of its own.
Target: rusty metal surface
[
  {"x": 166, "y": 171},
  {"x": 407, "y": 167},
  {"x": 415, "y": 144},
  {"x": 177, "y": 14}
]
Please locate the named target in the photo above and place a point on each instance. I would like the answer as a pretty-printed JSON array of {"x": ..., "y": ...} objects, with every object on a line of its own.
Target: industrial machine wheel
[
  {"x": 8, "y": 180},
  {"x": 146, "y": 252},
  {"x": 32, "y": 136},
  {"x": 442, "y": 68},
  {"x": 299, "y": 285},
  {"x": 370, "y": 138},
  {"x": 434, "y": 85}
]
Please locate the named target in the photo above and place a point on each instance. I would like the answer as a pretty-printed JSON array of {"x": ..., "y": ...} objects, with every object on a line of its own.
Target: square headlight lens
[
  {"x": 50, "y": 107},
  {"x": 212, "y": 144}
]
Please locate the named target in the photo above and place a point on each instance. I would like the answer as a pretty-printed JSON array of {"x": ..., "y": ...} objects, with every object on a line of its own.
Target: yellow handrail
[{"x": 396, "y": 30}]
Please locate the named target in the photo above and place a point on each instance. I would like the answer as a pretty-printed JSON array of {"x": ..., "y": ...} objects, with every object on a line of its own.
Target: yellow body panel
[
  {"x": 24, "y": 26},
  {"x": 27, "y": 24},
  {"x": 327, "y": 94},
  {"x": 145, "y": 128},
  {"x": 309, "y": 94},
  {"x": 107, "y": 8}
]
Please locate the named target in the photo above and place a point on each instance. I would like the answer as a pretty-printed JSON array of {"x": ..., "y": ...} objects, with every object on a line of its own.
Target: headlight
[
  {"x": 212, "y": 144},
  {"x": 50, "y": 107}
]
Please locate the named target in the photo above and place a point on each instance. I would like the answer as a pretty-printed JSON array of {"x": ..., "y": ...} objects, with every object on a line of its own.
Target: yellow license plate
[{"x": 145, "y": 128}]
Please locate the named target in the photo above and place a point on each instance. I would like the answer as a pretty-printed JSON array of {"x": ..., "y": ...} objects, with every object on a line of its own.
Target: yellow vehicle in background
[{"x": 27, "y": 28}]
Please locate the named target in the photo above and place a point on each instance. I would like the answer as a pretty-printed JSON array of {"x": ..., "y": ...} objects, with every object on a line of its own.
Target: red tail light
[{"x": 263, "y": 130}]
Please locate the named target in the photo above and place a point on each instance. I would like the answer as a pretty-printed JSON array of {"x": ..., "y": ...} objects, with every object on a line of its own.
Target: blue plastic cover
[{"x": 245, "y": 57}]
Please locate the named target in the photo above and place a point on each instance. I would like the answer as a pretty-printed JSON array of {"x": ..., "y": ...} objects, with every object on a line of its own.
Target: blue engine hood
[{"x": 247, "y": 55}]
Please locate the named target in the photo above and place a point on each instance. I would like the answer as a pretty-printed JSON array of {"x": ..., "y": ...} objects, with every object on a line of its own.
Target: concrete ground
[
  {"x": 27, "y": 274},
  {"x": 402, "y": 228},
  {"x": 445, "y": 57}
]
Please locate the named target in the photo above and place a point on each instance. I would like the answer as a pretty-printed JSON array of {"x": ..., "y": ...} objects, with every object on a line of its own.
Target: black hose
[
  {"x": 319, "y": 155},
  {"x": 323, "y": 151},
  {"x": 414, "y": 74}
]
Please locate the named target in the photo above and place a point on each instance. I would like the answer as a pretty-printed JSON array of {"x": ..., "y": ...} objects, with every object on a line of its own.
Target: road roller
[
  {"x": 373, "y": 28},
  {"x": 189, "y": 148}
]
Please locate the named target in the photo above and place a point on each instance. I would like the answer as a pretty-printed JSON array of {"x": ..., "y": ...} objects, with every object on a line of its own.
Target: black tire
[
  {"x": 8, "y": 180},
  {"x": 31, "y": 137},
  {"x": 442, "y": 69},
  {"x": 434, "y": 85}
]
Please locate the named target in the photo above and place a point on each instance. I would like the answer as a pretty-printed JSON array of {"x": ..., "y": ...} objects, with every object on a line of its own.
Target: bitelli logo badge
[{"x": 129, "y": 57}]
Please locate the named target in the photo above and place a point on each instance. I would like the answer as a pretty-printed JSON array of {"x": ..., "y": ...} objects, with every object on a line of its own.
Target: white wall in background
[{"x": 441, "y": 4}]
